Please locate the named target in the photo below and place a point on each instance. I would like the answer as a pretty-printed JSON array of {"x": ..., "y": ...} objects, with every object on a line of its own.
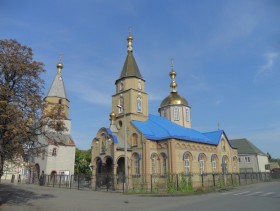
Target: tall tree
[{"x": 21, "y": 118}]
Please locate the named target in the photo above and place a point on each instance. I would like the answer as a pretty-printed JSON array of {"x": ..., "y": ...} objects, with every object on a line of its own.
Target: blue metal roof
[
  {"x": 115, "y": 139},
  {"x": 215, "y": 136},
  {"x": 158, "y": 128}
]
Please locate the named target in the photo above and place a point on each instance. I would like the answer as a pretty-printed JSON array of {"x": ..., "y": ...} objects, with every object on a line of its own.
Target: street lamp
[{"x": 125, "y": 149}]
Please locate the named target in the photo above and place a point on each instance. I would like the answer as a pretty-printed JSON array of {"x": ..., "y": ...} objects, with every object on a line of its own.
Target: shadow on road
[{"x": 13, "y": 195}]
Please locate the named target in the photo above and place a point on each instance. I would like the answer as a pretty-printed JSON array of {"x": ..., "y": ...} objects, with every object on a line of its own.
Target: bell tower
[
  {"x": 57, "y": 97},
  {"x": 130, "y": 99}
]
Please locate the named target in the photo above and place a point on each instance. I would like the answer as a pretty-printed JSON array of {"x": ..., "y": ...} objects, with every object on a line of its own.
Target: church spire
[
  {"x": 130, "y": 67},
  {"x": 57, "y": 88},
  {"x": 172, "y": 74}
]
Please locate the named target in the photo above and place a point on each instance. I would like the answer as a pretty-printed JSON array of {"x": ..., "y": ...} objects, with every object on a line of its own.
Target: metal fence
[{"x": 168, "y": 183}]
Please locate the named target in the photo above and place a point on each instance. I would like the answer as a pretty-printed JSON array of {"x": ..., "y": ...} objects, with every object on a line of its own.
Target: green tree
[{"x": 82, "y": 161}]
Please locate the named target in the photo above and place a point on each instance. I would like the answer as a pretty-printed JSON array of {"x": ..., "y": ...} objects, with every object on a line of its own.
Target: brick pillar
[
  {"x": 115, "y": 166},
  {"x": 147, "y": 163},
  {"x": 172, "y": 157},
  {"x": 93, "y": 177}
]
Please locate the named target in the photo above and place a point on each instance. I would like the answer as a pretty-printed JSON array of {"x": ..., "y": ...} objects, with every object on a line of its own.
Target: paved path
[{"x": 30, "y": 197}]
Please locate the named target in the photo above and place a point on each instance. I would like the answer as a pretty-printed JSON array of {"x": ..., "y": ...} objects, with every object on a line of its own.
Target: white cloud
[{"x": 270, "y": 59}]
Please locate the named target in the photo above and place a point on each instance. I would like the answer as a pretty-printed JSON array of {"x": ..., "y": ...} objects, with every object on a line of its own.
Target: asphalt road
[{"x": 262, "y": 196}]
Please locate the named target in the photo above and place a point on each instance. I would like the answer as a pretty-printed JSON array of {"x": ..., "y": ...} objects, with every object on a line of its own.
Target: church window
[
  {"x": 164, "y": 167},
  {"x": 134, "y": 140},
  {"x": 54, "y": 152},
  {"x": 223, "y": 144},
  {"x": 176, "y": 114},
  {"x": 121, "y": 86},
  {"x": 154, "y": 163},
  {"x": 137, "y": 170},
  {"x": 139, "y": 85},
  {"x": 214, "y": 163},
  {"x": 201, "y": 159},
  {"x": 43, "y": 154},
  {"x": 213, "y": 166},
  {"x": 187, "y": 165},
  {"x": 121, "y": 103},
  {"x": 60, "y": 101},
  {"x": 139, "y": 104},
  {"x": 187, "y": 115},
  {"x": 224, "y": 164},
  {"x": 103, "y": 143},
  {"x": 201, "y": 166},
  {"x": 136, "y": 158}
]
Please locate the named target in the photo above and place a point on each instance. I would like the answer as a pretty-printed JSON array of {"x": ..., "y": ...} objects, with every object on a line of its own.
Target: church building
[
  {"x": 58, "y": 154},
  {"x": 155, "y": 144}
]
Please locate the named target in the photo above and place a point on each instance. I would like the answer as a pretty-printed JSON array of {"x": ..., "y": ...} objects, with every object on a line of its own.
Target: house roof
[
  {"x": 158, "y": 128},
  {"x": 244, "y": 146}
]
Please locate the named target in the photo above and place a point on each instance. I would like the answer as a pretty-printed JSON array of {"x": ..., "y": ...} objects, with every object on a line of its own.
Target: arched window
[
  {"x": 54, "y": 152},
  {"x": 139, "y": 104},
  {"x": 164, "y": 113},
  {"x": 201, "y": 160},
  {"x": 136, "y": 162},
  {"x": 176, "y": 113},
  {"x": 224, "y": 164},
  {"x": 134, "y": 141},
  {"x": 103, "y": 143},
  {"x": 121, "y": 86},
  {"x": 139, "y": 85},
  {"x": 163, "y": 164},
  {"x": 187, "y": 157},
  {"x": 60, "y": 101},
  {"x": 214, "y": 159},
  {"x": 187, "y": 115},
  {"x": 43, "y": 154},
  {"x": 223, "y": 144},
  {"x": 121, "y": 103},
  {"x": 154, "y": 158}
]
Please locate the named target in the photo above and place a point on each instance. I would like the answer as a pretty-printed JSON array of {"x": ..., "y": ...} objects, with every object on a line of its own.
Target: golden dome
[
  {"x": 174, "y": 99},
  {"x": 112, "y": 116}
]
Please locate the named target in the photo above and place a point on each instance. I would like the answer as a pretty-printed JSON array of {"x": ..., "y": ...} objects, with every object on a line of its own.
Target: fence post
[
  {"x": 231, "y": 179},
  {"x": 71, "y": 181},
  {"x": 78, "y": 181},
  {"x": 59, "y": 180},
  {"x": 246, "y": 177},
  {"x": 54, "y": 177},
  {"x": 151, "y": 182},
  {"x": 214, "y": 182},
  {"x": 177, "y": 182},
  {"x": 202, "y": 180},
  {"x": 239, "y": 179}
]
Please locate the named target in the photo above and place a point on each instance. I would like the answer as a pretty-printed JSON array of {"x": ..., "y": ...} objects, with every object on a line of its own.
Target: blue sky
[{"x": 226, "y": 55}]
